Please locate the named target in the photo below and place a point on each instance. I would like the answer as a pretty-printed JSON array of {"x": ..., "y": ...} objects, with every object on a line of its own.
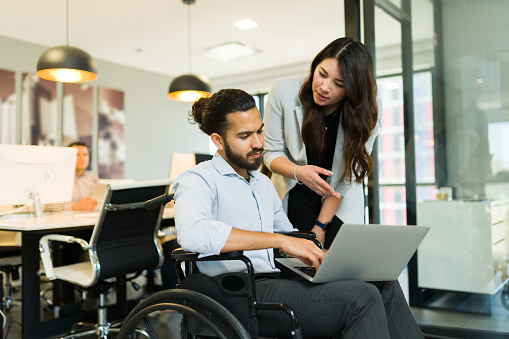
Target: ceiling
[{"x": 152, "y": 35}]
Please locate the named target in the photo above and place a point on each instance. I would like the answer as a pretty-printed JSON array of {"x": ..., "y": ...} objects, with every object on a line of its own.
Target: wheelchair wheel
[
  {"x": 133, "y": 322},
  {"x": 192, "y": 304}
]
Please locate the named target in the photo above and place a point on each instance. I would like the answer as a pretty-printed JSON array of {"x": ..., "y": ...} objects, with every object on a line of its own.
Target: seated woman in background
[{"x": 84, "y": 182}]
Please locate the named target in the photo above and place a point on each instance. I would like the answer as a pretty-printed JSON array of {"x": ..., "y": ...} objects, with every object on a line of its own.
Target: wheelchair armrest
[
  {"x": 303, "y": 235},
  {"x": 46, "y": 254},
  {"x": 180, "y": 254},
  {"x": 190, "y": 258}
]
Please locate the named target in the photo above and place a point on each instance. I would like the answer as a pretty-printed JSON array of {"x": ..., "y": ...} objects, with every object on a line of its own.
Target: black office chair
[{"x": 124, "y": 241}]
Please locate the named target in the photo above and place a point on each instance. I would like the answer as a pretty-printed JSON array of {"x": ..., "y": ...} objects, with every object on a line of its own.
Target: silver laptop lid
[{"x": 369, "y": 252}]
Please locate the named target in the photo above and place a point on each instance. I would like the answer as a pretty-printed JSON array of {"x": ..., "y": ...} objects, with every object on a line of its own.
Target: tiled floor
[
  {"x": 497, "y": 321},
  {"x": 167, "y": 325}
]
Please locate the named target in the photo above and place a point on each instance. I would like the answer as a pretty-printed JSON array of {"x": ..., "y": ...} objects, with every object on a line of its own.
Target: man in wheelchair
[{"x": 226, "y": 205}]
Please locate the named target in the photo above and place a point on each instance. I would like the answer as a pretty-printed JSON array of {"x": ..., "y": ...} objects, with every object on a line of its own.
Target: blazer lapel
[
  {"x": 337, "y": 161},
  {"x": 299, "y": 116},
  {"x": 299, "y": 145}
]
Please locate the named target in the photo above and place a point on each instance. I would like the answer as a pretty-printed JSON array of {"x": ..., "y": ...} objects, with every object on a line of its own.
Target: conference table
[{"x": 32, "y": 229}]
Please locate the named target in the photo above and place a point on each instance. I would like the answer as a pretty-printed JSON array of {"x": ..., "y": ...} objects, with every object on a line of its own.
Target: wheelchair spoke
[
  {"x": 214, "y": 312},
  {"x": 130, "y": 326}
]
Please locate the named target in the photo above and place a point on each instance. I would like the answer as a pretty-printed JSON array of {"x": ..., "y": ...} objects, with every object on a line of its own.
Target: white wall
[
  {"x": 155, "y": 126},
  {"x": 260, "y": 82}
]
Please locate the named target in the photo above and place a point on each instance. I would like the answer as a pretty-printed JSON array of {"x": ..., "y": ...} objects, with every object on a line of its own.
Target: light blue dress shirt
[{"x": 211, "y": 198}]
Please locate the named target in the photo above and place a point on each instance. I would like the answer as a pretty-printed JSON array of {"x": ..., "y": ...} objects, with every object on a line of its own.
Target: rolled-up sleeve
[{"x": 194, "y": 203}]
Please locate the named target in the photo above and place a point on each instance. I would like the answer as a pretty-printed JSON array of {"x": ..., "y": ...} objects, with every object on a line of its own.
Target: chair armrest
[
  {"x": 46, "y": 254},
  {"x": 189, "y": 259},
  {"x": 303, "y": 235},
  {"x": 65, "y": 238},
  {"x": 182, "y": 255}
]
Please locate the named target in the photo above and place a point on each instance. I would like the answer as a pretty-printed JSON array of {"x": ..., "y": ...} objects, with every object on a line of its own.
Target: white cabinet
[{"x": 466, "y": 247}]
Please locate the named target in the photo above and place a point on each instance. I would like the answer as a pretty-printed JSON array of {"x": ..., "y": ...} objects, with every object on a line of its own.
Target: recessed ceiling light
[
  {"x": 245, "y": 24},
  {"x": 229, "y": 51}
]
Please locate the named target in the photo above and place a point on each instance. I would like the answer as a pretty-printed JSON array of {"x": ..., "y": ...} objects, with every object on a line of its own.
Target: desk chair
[
  {"x": 124, "y": 241},
  {"x": 10, "y": 263}
]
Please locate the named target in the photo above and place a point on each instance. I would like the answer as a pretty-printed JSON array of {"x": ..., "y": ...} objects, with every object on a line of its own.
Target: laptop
[{"x": 363, "y": 252}]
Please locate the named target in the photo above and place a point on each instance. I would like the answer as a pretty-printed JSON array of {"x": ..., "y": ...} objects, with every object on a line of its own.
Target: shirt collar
[{"x": 224, "y": 168}]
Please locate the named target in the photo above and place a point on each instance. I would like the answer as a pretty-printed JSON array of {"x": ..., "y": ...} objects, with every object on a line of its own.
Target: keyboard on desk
[{"x": 311, "y": 271}]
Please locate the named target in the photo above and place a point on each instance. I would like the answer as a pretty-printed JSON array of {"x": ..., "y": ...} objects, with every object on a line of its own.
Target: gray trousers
[{"x": 341, "y": 309}]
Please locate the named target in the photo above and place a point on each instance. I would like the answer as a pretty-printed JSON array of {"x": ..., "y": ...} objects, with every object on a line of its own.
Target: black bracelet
[{"x": 324, "y": 226}]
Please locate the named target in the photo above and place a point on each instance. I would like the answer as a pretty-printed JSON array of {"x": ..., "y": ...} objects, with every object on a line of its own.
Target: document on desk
[{"x": 86, "y": 215}]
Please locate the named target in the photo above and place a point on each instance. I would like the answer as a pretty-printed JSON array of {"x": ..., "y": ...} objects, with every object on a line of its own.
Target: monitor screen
[
  {"x": 45, "y": 170},
  {"x": 184, "y": 161}
]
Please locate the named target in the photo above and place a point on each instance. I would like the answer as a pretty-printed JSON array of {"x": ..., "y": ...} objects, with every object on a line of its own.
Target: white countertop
[{"x": 29, "y": 222}]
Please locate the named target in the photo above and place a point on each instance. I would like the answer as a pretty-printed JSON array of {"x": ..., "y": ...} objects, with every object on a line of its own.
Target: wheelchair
[{"x": 222, "y": 306}]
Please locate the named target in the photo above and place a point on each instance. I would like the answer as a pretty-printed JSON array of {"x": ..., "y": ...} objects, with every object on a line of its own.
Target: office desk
[{"x": 32, "y": 229}]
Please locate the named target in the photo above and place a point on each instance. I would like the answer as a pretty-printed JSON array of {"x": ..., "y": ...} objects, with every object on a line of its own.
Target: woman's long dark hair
[{"x": 360, "y": 108}]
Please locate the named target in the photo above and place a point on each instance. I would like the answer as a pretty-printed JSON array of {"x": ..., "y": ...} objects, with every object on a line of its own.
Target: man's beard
[{"x": 240, "y": 160}]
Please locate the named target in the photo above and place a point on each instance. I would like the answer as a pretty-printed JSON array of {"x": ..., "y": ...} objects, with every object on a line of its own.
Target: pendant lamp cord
[
  {"x": 189, "y": 58},
  {"x": 67, "y": 24}
]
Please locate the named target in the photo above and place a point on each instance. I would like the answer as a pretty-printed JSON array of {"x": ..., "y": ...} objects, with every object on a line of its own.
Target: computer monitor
[
  {"x": 28, "y": 172},
  {"x": 184, "y": 161}
]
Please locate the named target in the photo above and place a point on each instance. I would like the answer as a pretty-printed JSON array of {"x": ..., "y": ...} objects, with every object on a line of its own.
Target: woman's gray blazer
[{"x": 283, "y": 124}]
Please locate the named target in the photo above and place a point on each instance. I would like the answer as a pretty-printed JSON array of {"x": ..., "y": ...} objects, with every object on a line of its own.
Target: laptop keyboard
[{"x": 311, "y": 271}]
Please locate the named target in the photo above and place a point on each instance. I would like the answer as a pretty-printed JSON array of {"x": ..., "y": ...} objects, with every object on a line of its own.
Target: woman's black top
[
  {"x": 331, "y": 133},
  {"x": 303, "y": 204}
]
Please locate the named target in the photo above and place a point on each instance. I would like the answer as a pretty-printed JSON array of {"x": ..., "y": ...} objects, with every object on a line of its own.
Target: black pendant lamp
[
  {"x": 189, "y": 87},
  {"x": 66, "y": 63}
]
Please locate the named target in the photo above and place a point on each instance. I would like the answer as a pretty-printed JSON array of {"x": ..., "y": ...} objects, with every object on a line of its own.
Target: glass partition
[{"x": 461, "y": 129}]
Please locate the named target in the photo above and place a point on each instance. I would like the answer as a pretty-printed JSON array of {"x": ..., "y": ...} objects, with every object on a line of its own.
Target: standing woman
[{"x": 319, "y": 133}]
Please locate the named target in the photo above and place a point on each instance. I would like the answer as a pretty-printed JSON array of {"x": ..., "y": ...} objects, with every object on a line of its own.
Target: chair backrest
[{"x": 124, "y": 239}]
